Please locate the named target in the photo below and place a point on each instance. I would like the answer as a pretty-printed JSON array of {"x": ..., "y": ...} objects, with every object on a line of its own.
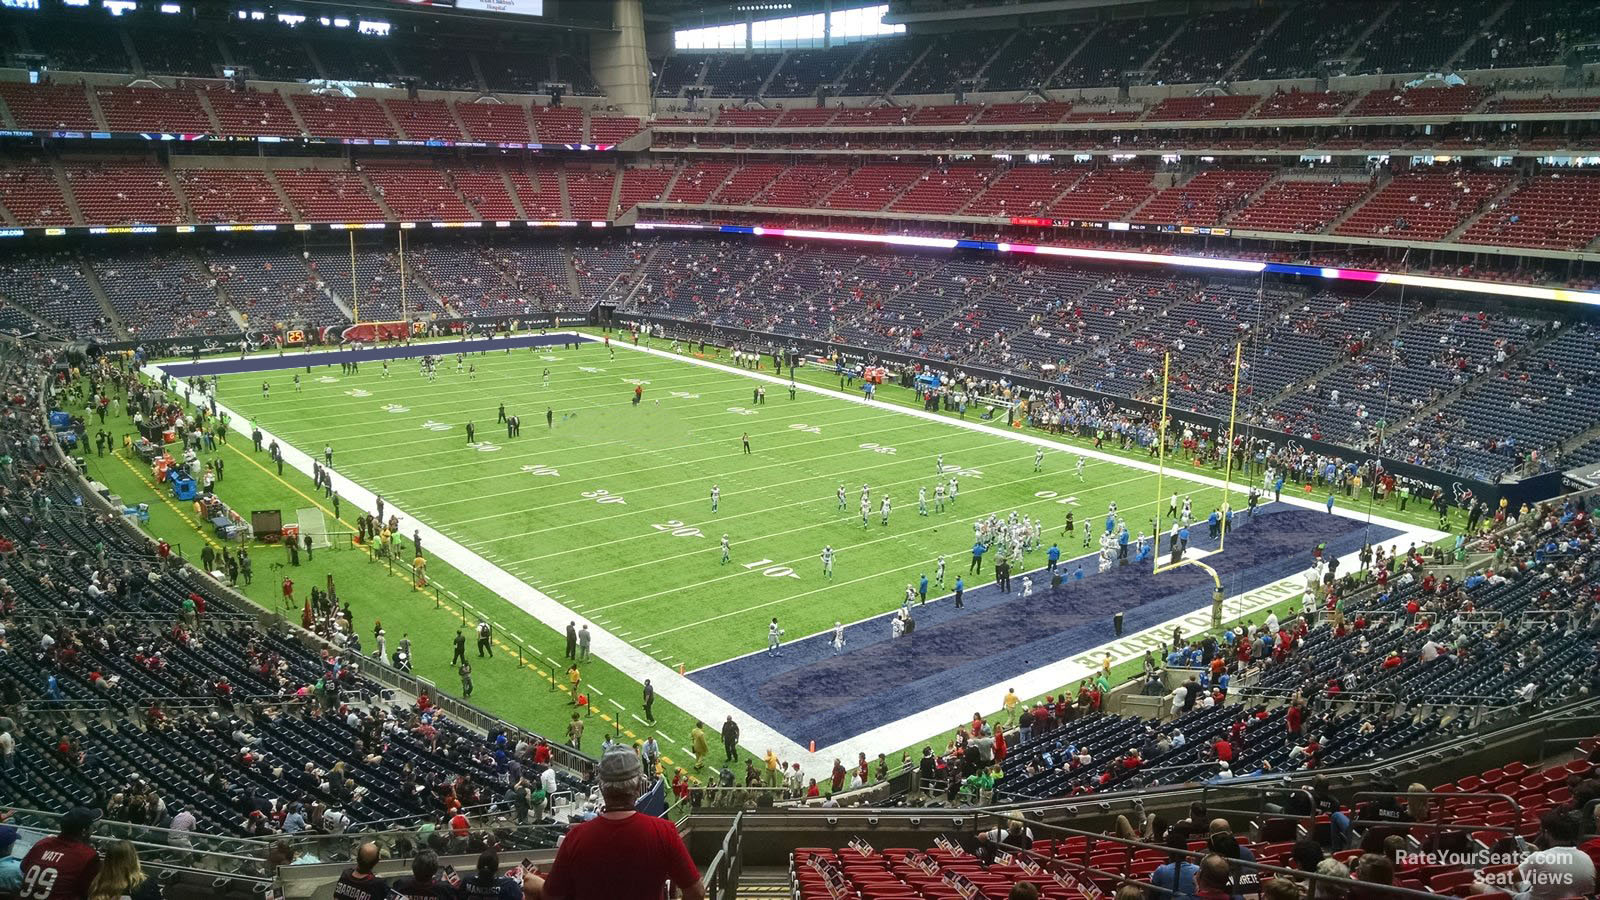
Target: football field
[
  {"x": 600, "y": 510},
  {"x": 607, "y": 506}
]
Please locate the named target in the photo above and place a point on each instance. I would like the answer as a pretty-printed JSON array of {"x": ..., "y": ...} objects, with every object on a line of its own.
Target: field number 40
[{"x": 771, "y": 571}]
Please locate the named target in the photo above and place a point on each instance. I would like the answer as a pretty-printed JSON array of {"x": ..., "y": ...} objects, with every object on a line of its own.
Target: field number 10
[{"x": 771, "y": 571}]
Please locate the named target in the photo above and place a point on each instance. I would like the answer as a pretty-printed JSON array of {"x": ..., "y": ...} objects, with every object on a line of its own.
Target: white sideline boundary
[{"x": 711, "y": 709}]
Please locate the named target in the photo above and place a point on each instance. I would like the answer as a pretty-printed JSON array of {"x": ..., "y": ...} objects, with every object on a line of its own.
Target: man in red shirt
[
  {"x": 620, "y": 854},
  {"x": 61, "y": 867}
]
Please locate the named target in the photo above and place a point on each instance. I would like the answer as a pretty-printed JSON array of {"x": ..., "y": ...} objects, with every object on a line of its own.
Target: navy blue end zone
[
  {"x": 809, "y": 693},
  {"x": 266, "y": 360}
]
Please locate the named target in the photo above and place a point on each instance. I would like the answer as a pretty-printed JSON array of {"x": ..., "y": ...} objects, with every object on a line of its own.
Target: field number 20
[
  {"x": 878, "y": 448},
  {"x": 678, "y": 529},
  {"x": 771, "y": 571}
]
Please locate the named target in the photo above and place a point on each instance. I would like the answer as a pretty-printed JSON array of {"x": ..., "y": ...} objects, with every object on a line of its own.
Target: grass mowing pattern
[{"x": 662, "y": 463}]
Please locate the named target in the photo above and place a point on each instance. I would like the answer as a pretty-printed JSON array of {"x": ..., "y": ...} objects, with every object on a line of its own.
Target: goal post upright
[
  {"x": 1161, "y": 460},
  {"x": 1227, "y": 464}
]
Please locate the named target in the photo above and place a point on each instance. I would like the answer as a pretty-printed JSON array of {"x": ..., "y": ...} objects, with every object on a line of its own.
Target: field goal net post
[
  {"x": 1195, "y": 557},
  {"x": 314, "y": 524}
]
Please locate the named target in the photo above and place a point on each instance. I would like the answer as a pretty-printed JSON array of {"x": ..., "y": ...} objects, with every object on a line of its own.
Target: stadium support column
[{"x": 617, "y": 59}]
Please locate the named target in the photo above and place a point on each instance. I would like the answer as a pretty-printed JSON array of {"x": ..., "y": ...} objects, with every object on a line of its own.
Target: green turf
[
  {"x": 622, "y": 530},
  {"x": 670, "y": 592}
]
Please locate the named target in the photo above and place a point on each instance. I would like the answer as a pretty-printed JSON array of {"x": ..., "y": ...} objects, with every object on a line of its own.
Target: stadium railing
[
  {"x": 721, "y": 875},
  {"x": 223, "y": 863}
]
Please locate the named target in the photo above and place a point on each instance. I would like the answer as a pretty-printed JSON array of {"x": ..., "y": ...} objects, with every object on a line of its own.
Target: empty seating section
[
  {"x": 1546, "y": 104},
  {"x": 943, "y": 115},
  {"x": 424, "y": 120},
  {"x": 589, "y": 191},
  {"x": 699, "y": 180},
  {"x": 1104, "y": 194},
  {"x": 870, "y": 116},
  {"x": 176, "y": 52},
  {"x": 641, "y": 185},
  {"x": 1538, "y": 401},
  {"x": 807, "y": 116},
  {"x": 1418, "y": 102},
  {"x": 1118, "y": 47},
  {"x": 1296, "y": 48},
  {"x": 485, "y": 187},
  {"x": 1532, "y": 33},
  {"x": 1303, "y": 105},
  {"x": 1206, "y": 199},
  {"x": 378, "y": 283},
  {"x": 1031, "y": 56},
  {"x": 1552, "y": 212},
  {"x": 1209, "y": 43},
  {"x": 745, "y": 183},
  {"x": 802, "y": 185},
  {"x": 437, "y": 64},
  {"x": 875, "y": 72},
  {"x": 612, "y": 129},
  {"x": 504, "y": 122},
  {"x": 329, "y": 195},
  {"x": 523, "y": 72},
  {"x": 575, "y": 72},
  {"x": 873, "y": 186},
  {"x": 1300, "y": 206},
  {"x": 737, "y": 75},
  {"x": 271, "y": 55},
  {"x": 803, "y": 71},
  {"x": 360, "y": 59},
  {"x": 33, "y": 196},
  {"x": 600, "y": 265},
  {"x": 162, "y": 294},
  {"x": 342, "y": 117},
  {"x": 231, "y": 195},
  {"x": 949, "y": 60},
  {"x": 252, "y": 113},
  {"x": 269, "y": 287},
  {"x": 81, "y": 49},
  {"x": 153, "y": 109},
  {"x": 735, "y": 116},
  {"x": 677, "y": 72},
  {"x": 52, "y": 287},
  {"x": 558, "y": 124},
  {"x": 416, "y": 190},
  {"x": 1023, "y": 113},
  {"x": 124, "y": 192},
  {"x": 943, "y": 190},
  {"x": 471, "y": 283},
  {"x": 49, "y": 107},
  {"x": 1214, "y": 108},
  {"x": 539, "y": 190},
  {"x": 541, "y": 271},
  {"x": 1421, "y": 35},
  {"x": 1023, "y": 191},
  {"x": 1423, "y": 206}
]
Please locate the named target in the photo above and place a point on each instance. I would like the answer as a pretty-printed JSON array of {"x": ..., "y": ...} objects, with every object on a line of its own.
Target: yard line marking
[
  {"x": 616, "y": 704},
  {"x": 808, "y": 557},
  {"x": 639, "y": 720}
]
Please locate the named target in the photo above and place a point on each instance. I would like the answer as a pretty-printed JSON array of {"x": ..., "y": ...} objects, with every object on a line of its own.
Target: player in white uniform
[
  {"x": 725, "y": 549},
  {"x": 1080, "y": 468},
  {"x": 841, "y": 495},
  {"x": 883, "y": 510},
  {"x": 386, "y": 368},
  {"x": 1188, "y": 510},
  {"x": 938, "y": 577},
  {"x": 774, "y": 637},
  {"x": 827, "y": 560},
  {"x": 838, "y": 637},
  {"x": 1027, "y": 585},
  {"x": 954, "y": 489},
  {"x": 1038, "y": 459},
  {"x": 716, "y": 497},
  {"x": 547, "y": 376},
  {"x": 938, "y": 497},
  {"x": 866, "y": 510},
  {"x": 922, "y": 500},
  {"x": 939, "y": 464}
]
